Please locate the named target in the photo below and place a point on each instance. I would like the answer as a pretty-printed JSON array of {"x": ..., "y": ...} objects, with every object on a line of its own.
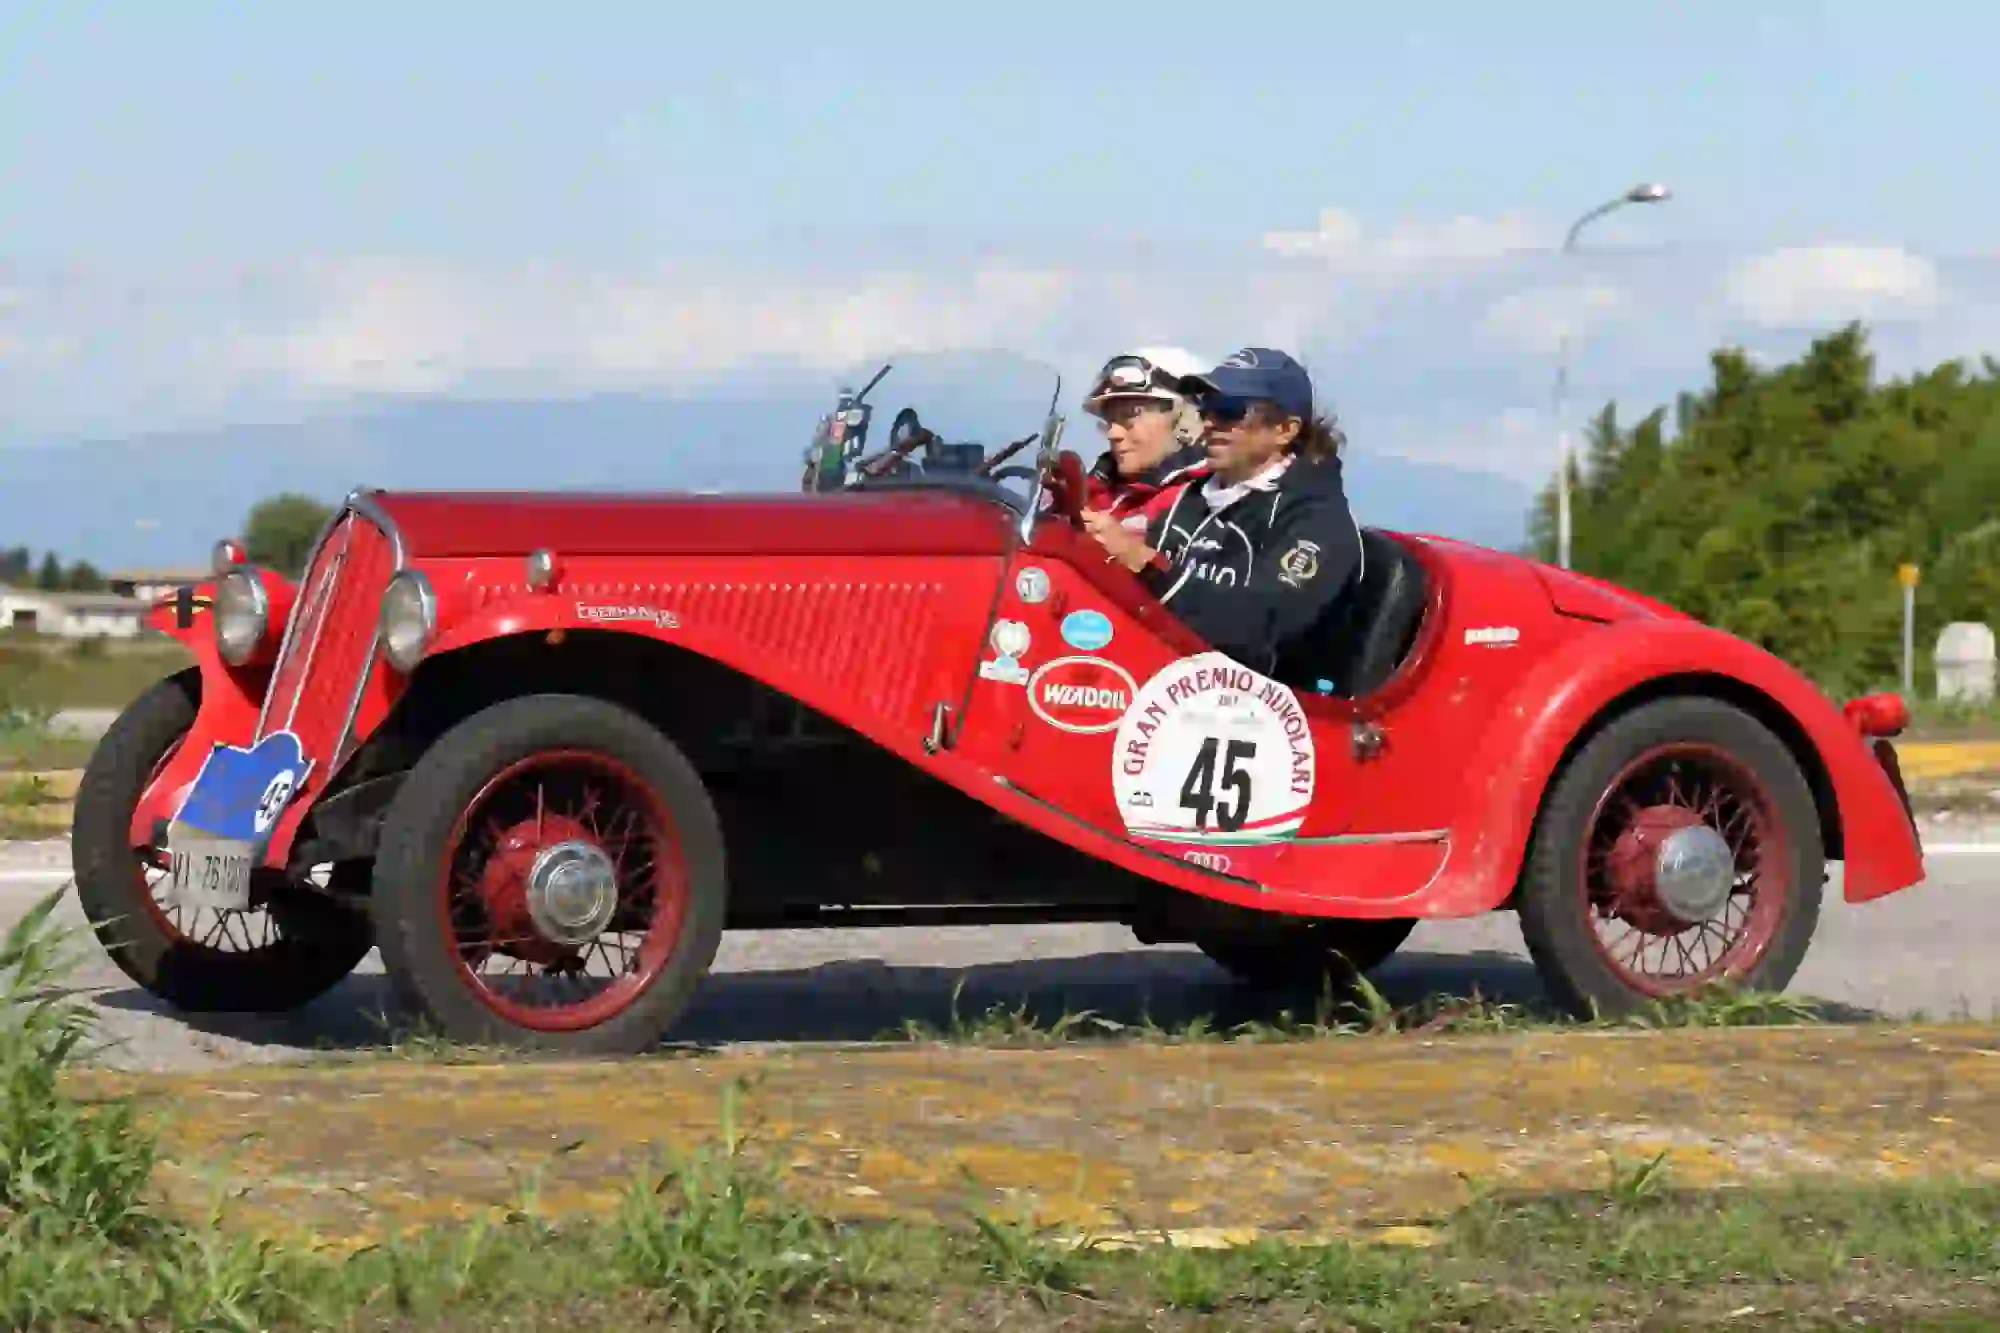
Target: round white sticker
[{"x": 1213, "y": 752}]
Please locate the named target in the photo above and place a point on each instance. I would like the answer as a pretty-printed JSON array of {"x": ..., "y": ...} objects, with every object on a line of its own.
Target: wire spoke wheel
[
  {"x": 1677, "y": 849},
  {"x": 564, "y": 889},
  {"x": 1684, "y": 876},
  {"x": 293, "y": 944},
  {"x": 551, "y": 875}
]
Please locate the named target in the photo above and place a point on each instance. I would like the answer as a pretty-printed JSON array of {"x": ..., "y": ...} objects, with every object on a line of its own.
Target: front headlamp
[
  {"x": 242, "y": 612},
  {"x": 409, "y": 618}
]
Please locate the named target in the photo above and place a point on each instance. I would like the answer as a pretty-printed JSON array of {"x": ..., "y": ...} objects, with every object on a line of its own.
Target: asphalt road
[{"x": 1925, "y": 950}]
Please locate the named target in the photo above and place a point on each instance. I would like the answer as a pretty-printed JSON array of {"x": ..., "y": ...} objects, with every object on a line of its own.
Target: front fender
[
  {"x": 1536, "y": 723},
  {"x": 230, "y": 698}
]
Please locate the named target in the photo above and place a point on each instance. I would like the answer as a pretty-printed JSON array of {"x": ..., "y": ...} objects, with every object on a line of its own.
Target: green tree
[
  {"x": 278, "y": 532},
  {"x": 83, "y": 576},
  {"x": 16, "y": 563},
  {"x": 1786, "y": 496},
  {"x": 50, "y": 577}
]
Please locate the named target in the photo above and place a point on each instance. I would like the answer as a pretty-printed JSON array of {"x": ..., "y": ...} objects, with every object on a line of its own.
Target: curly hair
[
  {"x": 1320, "y": 439},
  {"x": 1320, "y": 436}
]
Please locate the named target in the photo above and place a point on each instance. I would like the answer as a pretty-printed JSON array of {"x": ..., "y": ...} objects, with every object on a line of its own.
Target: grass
[
  {"x": 34, "y": 805},
  {"x": 42, "y": 673},
  {"x": 39, "y": 677},
  {"x": 1931, "y": 720},
  {"x": 1363, "y": 1010},
  {"x": 712, "y": 1241}
]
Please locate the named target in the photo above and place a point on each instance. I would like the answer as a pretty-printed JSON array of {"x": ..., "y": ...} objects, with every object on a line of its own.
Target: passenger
[
  {"x": 1153, "y": 433},
  {"x": 1257, "y": 545}
]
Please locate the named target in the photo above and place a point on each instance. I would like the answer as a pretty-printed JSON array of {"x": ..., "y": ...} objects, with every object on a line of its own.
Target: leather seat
[{"x": 1359, "y": 645}]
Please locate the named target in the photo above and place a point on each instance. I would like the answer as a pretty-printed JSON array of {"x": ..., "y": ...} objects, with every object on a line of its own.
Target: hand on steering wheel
[{"x": 1065, "y": 488}]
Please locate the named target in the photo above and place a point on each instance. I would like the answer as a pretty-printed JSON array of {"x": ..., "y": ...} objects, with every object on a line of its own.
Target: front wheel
[
  {"x": 274, "y": 957},
  {"x": 551, "y": 876},
  {"x": 1678, "y": 849}
]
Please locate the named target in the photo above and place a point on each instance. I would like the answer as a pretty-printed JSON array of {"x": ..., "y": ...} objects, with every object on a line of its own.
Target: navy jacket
[{"x": 1262, "y": 570}]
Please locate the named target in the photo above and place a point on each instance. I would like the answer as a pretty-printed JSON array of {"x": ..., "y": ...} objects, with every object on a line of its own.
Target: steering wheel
[{"x": 906, "y": 434}]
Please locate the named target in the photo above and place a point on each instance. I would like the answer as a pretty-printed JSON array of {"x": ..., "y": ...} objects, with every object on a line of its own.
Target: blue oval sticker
[{"x": 1088, "y": 630}]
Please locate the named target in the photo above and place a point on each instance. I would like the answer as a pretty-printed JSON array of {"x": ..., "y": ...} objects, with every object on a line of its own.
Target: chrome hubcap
[
  {"x": 1693, "y": 873},
  {"x": 572, "y": 892}
]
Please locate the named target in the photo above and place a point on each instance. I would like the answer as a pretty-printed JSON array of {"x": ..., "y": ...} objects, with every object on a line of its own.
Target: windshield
[{"x": 973, "y": 420}]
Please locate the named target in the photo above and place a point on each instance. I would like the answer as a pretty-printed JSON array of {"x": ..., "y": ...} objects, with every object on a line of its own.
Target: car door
[{"x": 1091, "y": 698}]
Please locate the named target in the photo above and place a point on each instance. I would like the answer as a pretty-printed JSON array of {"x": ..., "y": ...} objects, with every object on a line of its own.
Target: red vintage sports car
[{"x": 543, "y": 749}]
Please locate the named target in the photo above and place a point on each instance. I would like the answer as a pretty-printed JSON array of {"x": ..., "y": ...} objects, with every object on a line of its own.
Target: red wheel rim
[
  {"x": 1681, "y": 785},
  {"x": 549, "y": 798}
]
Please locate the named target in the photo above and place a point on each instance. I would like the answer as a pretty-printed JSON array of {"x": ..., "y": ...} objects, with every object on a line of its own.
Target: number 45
[{"x": 1198, "y": 792}]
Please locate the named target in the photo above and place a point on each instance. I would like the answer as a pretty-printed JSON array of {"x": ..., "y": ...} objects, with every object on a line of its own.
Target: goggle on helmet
[{"x": 1133, "y": 376}]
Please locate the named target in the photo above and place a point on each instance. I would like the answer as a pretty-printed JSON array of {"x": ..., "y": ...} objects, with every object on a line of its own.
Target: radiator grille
[{"x": 330, "y": 645}]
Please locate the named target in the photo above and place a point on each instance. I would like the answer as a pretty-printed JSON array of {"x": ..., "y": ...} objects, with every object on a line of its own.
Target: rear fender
[
  {"x": 1600, "y": 674},
  {"x": 229, "y": 699}
]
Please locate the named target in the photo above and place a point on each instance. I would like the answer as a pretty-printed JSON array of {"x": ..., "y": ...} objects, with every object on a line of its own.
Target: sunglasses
[{"x": 1226, "y": 409}]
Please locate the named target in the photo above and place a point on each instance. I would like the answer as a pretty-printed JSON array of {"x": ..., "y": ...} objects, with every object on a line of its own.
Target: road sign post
[{"x": 1907, "y": 576}]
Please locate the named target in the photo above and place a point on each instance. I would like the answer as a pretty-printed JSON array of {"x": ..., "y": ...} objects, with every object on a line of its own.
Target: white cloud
[
  {"x": 1830, "y": 284},
  {"x": 401, "y": 327},
  {"x": 1410, "y": 248},
  {"x": 1516, "y": 442},
  {"x": 1536, "y": 320},
  {"x": 1454, "y": 323}
]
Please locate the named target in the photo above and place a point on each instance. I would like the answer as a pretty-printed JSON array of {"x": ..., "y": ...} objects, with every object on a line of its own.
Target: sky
[{"x": 218, "y": 214}]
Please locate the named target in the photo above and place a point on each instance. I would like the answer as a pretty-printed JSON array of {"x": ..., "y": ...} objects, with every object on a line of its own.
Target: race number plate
[
  {"x": 1215, "y": 763},
  {"x": 207, "y": 871},
  {"x": 217, "y": 837}
]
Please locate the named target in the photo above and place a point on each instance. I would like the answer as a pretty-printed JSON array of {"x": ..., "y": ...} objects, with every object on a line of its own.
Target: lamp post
[{"x": 1639, "y": 194}]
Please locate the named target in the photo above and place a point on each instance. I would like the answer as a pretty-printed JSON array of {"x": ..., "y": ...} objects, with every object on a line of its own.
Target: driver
[
  {"x": 1152, "y": 432},
  {"x": 1257, "y": 544}
]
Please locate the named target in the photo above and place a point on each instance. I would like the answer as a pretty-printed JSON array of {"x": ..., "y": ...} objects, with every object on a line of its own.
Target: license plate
[{"x": 206, "y": 871}]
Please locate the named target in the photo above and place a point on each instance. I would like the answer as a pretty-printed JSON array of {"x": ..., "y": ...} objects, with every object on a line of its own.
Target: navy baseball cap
[{"x": 1257, "y": 372}]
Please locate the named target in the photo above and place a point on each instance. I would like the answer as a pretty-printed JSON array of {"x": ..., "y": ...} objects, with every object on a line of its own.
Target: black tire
[
  {"x": 1555, "y": 922},
  {"x": 1297, "y": 955},
  {"x": 418, "y": 828},
  {"x": 318, "y": 941}
]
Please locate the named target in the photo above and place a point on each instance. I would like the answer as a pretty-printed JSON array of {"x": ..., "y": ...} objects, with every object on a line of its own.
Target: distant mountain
[{"x": 162, "y": 500}]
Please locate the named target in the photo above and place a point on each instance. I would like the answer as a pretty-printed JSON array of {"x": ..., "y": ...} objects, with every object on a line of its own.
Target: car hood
[{"x": 444, "y": 524}]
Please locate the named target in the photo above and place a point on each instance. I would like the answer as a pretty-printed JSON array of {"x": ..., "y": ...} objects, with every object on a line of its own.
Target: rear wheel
[
  {"x": 1678, "y": 849},
  {"x": 277, "y": 956},
  {"x": 551, "y": 875}
]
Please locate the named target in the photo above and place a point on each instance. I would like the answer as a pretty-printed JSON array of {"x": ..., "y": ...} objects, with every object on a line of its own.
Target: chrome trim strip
[
  {"x": 1339, "y": 839},
  {"x": 327, "y": 585},
  {"x": 1123, "y": 841},
  {"x": 363, "y": 502}
]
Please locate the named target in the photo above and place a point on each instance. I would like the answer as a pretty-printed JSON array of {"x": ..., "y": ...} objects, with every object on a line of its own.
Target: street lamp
[{"x": 1650, "y": 193}]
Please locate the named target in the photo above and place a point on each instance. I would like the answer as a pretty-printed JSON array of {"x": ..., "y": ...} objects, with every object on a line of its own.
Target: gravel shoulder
[{"x": 1317, "y": 1137}]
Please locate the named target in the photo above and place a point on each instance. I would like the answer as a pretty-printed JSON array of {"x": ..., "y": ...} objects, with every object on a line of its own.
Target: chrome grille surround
[{"x": 324, "y": 651}]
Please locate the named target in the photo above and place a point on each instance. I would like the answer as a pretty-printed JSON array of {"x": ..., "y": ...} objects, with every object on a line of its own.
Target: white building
[
  {"x": 70, "y": 615},
  {"x": 149, "y": 585}
]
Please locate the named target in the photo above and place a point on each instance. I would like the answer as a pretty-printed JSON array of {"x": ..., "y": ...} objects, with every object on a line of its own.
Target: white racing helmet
[{"x": 1146, "y": 372}]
